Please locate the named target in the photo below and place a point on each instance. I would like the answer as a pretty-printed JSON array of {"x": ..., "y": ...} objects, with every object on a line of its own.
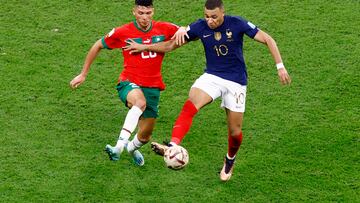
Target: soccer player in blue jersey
[{"x": 225, "y": 74}]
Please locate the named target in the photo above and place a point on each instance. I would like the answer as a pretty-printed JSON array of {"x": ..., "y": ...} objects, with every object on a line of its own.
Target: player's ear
[
  {"x": 133, "y": 10},
  {"x": 222, "y": 11}
]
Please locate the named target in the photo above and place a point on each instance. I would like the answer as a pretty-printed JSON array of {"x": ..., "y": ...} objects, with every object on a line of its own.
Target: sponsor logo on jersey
[
  {"x": 147, "y": 41},
  {"x": 205, "y": 36}
]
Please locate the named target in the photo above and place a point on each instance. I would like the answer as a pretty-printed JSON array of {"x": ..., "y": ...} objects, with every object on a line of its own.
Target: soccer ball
[{"x": 176, "y": 157}]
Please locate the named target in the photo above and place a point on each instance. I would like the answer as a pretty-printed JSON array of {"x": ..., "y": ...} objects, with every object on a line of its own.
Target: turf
[{"x": 301, "y": 142}]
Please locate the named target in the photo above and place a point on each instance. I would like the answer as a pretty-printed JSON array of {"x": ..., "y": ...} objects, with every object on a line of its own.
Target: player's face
[
  {"x": 214, "y": 18},
  {"x": 143, "y": 16}
]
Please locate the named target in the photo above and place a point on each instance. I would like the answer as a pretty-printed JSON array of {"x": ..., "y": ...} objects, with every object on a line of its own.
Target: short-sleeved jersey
[
  {"x": 224, "y": 46},
  {"x": 143, "y": 69}
]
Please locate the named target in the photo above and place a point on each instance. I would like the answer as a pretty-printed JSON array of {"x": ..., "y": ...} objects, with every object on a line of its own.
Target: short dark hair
[
  {"x": 143, "y": 2},
  {"x": 213, "y": 4}
]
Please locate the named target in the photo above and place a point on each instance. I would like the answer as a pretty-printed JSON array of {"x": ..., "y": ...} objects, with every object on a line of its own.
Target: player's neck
[
  {"x": 143, "y": 28},
  {"x": 221, "y": 22}
]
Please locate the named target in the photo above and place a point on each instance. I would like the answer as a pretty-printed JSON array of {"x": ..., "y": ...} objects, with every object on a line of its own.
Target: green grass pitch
[{"x": 301, "y": 142}]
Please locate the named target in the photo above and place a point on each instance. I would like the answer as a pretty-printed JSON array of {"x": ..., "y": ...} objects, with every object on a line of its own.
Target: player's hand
[
  {"x": 134, "y": 47},
  {"x": 78, "y": 80},
  {"x": 284, "y": 76},
  {"x": 179, "y": 36}
]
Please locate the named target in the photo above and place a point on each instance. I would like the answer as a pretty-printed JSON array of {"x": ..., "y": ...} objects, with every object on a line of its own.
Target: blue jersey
[{"x": 224, "y": 46}]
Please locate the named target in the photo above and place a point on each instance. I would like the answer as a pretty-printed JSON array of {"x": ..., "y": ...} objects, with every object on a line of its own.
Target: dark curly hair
[
  {"x": 143, "y": 2},
  {"x": 213, "y": 4}
]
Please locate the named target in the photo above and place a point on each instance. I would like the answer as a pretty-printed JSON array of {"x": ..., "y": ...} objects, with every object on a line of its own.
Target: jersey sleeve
[
  {"x": 247, "y": 27},
  {"x": 193, "y": 30},
  {"x": 170, "y": 29},
  {"x": 113, "y": 39}
]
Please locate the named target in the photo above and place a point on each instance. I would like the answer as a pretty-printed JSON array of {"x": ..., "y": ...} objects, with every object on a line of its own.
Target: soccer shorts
[
  {"x": 232, "y": 94},
  {"x": 152, "y": 96}
]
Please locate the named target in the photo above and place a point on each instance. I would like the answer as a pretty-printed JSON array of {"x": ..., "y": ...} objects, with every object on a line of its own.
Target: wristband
[{"x": 280, "y": 65}]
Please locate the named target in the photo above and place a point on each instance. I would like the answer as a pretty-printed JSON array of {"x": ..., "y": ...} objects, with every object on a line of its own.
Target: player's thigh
[
  {"x": 136, "y": 97},
  {"x": 152, "y": 96},
  {"x": 234, "y": 121},
  {"x": 199, "y": 97},
  {"x": 130, "y": 94},
  {"x": 204, "y": 90},
  {"x": 234, "y": 98}
]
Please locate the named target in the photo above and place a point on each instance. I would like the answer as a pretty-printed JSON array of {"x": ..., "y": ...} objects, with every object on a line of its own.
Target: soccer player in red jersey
[
  {"x": 140, "y": 82},
  {"x": 225, "y": 75}
]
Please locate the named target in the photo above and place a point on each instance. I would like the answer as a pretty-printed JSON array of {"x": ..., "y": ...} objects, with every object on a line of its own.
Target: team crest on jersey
[
  {"x": 229, "y": 35},
  {"x": 217, "y": 36}
]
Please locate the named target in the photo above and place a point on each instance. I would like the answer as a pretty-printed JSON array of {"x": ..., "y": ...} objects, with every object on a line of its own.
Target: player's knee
[
  {"x": 141, "y": 103},
  {"x": 235, "y": 131}
]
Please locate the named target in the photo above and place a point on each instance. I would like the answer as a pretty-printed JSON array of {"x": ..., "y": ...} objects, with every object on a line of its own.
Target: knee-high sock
[
  {"x": 183, "y": 122},
  {"x": 134, "y": 144},
  {"x": 130, "y": 123},
  {"x": 234, "y": 143}
]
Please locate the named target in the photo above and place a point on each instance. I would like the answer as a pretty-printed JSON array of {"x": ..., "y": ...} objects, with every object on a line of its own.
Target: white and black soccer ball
[{"x": 176, "y": 157}]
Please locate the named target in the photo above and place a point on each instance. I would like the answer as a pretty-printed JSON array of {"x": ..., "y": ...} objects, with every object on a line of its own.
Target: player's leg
[
  {"x": 133, "y": 98},
  {"x": 146, "y": 124},
  {"x": 234, "y": 103},
  {"x": 197, "y": 99},
  {"x": 146, "y": 127},
  {"x": 203, "y": 92},
  {"x": 234, "y": 120}
]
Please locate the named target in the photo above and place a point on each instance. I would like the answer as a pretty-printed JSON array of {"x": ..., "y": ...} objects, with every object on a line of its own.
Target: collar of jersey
[{"x": 137, "y": 26}]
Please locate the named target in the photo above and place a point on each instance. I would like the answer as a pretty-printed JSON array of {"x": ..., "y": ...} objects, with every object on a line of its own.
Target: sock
[
  {"x": 134, "y": 144},
  {"x": 234, "y": 143},
  {"x": 183, "y": 122},
  {"x": 172, "y": 144},
  {"x": 130, "y": 123}
]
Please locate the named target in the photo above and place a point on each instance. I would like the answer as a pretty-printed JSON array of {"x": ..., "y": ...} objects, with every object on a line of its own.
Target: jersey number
[
  {"x": 221, "y": 50},
  {"x": 147, "y": 55}
]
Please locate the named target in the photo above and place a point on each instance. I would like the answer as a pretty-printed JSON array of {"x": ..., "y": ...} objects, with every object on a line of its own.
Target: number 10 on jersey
[{"x": 221, "y": 50}]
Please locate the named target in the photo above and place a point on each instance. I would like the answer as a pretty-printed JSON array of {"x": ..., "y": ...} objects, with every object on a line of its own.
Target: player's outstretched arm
[
  {"x": 176, "y": 41},
  {"x": 180, "y": 35},
  {"x": 265, "y": 38},
  {"x": 161, "y": 47},
  {"x": 79, "y": 79}
]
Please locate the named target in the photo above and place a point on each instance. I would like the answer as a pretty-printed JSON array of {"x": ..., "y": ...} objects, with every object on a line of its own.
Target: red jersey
[{"x": 143, "y": 69}]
